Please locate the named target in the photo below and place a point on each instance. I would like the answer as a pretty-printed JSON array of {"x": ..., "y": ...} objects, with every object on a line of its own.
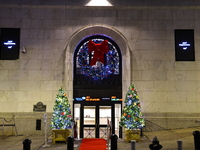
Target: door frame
[
  {"x": 97, "y": 124},
  {"x": 98, "y": 103}
]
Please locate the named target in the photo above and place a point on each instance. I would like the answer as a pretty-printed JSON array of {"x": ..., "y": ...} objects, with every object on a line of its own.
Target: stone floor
[{"x": 168, "y": 139}]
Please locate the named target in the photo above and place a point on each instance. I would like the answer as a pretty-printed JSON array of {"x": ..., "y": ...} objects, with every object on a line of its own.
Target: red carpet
[{"x": 93, "y": 144}]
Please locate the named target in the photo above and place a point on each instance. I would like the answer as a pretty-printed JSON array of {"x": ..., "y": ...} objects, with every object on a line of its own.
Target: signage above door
[{"x": 88, "y": 98}]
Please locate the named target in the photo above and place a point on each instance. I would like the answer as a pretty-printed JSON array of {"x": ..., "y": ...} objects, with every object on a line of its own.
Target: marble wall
[{"x": 144, "y": 32}]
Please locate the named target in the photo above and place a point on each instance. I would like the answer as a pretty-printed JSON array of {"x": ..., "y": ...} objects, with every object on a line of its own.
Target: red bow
[{"x": 99, "y": 51}]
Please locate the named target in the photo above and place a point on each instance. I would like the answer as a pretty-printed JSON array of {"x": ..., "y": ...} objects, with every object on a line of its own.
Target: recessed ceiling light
[{"x": 98, "y": 3}]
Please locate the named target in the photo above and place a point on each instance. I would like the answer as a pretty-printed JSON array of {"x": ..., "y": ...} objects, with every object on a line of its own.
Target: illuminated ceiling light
[{"x": 98, "y": 3}]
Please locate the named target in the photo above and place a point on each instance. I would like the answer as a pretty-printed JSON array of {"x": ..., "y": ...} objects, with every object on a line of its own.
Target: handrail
[
  {"x": 153, "y": 126},
  {"x": 74, "y": 129},
  {"x": 12, "y": 119},
  {"x": 2, "y": 120},
  {"x": 109, "y": 129},
  {"x": 3, "y": 124}
]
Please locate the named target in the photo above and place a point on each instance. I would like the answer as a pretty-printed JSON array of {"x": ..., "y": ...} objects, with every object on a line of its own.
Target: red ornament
[
  {"x": 129, "y": 116},
  {"x": 99, "y": 51},
  {"x": 62, "y": 113}
]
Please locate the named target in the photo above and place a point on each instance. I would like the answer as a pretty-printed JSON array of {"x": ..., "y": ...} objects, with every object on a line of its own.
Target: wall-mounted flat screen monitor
[
  {"x": 184, "y": 45},
  {"x": 10, "y": 43}
]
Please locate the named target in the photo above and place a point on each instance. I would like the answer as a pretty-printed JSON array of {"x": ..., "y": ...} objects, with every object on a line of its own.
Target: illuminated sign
[
  {"x": 88, "y": 98},
  {"x": 80, "y": 99},
  {"x": 9, "y": 44},
  {"x": 105, "y": 98},
  {"x": 184, "y": 45},
  {"x": 114, "y": 98},
  {"x": 92, "y": 99}
]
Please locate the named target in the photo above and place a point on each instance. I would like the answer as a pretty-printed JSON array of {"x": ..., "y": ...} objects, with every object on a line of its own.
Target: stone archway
[{"x": 96, "y": 29}]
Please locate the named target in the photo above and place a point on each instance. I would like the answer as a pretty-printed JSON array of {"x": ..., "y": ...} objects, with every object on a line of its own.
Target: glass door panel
[
  {"x": 89, "y": 121},
  {"x": 117, "y": 118},
  {"x": 77, "y": 118},
  {"x": 89, "y": 115},
  {"x": 104, "y": 114},
  {"x": 104, "y": 119}
]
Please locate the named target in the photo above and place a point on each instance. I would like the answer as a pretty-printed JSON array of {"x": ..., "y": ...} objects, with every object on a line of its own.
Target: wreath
[{"x": 100, "y": 69}]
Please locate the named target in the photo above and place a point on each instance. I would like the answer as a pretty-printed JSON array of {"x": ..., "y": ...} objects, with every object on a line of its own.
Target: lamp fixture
[
  {"x": 23, "y": 50},
  {"x": 98, "y": 3}
]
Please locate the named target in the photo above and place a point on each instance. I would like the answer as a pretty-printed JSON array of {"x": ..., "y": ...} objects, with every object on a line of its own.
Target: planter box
[
  {"x": 60, "y": 135},
  {"x": 132, "y": 135}
]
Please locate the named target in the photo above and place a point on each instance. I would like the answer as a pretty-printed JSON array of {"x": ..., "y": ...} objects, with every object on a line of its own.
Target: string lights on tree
[
  {"x": 61, "y": 117},
  {"x": 132, "y": 117}
]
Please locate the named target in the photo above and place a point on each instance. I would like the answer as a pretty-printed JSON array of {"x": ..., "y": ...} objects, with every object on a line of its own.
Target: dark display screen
[
  {"x": 10, "y": 43},
  {"x": 184, "y": 45}
]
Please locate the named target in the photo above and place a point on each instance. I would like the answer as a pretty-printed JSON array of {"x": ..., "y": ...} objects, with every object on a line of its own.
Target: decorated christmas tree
[
  {"x": 132, "y": 117},
  {"x": 61, "y": 117}
]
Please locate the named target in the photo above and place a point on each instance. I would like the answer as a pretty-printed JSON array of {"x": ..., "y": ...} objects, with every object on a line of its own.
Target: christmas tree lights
[
  {"x": 132, "y": 117},
  {"x": 61, "y": 117}
]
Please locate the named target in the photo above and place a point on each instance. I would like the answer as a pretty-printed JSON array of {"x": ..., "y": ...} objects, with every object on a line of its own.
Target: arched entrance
[
  {"x": 97, "y": 85},
  {"x": 97, "y": 107}
]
